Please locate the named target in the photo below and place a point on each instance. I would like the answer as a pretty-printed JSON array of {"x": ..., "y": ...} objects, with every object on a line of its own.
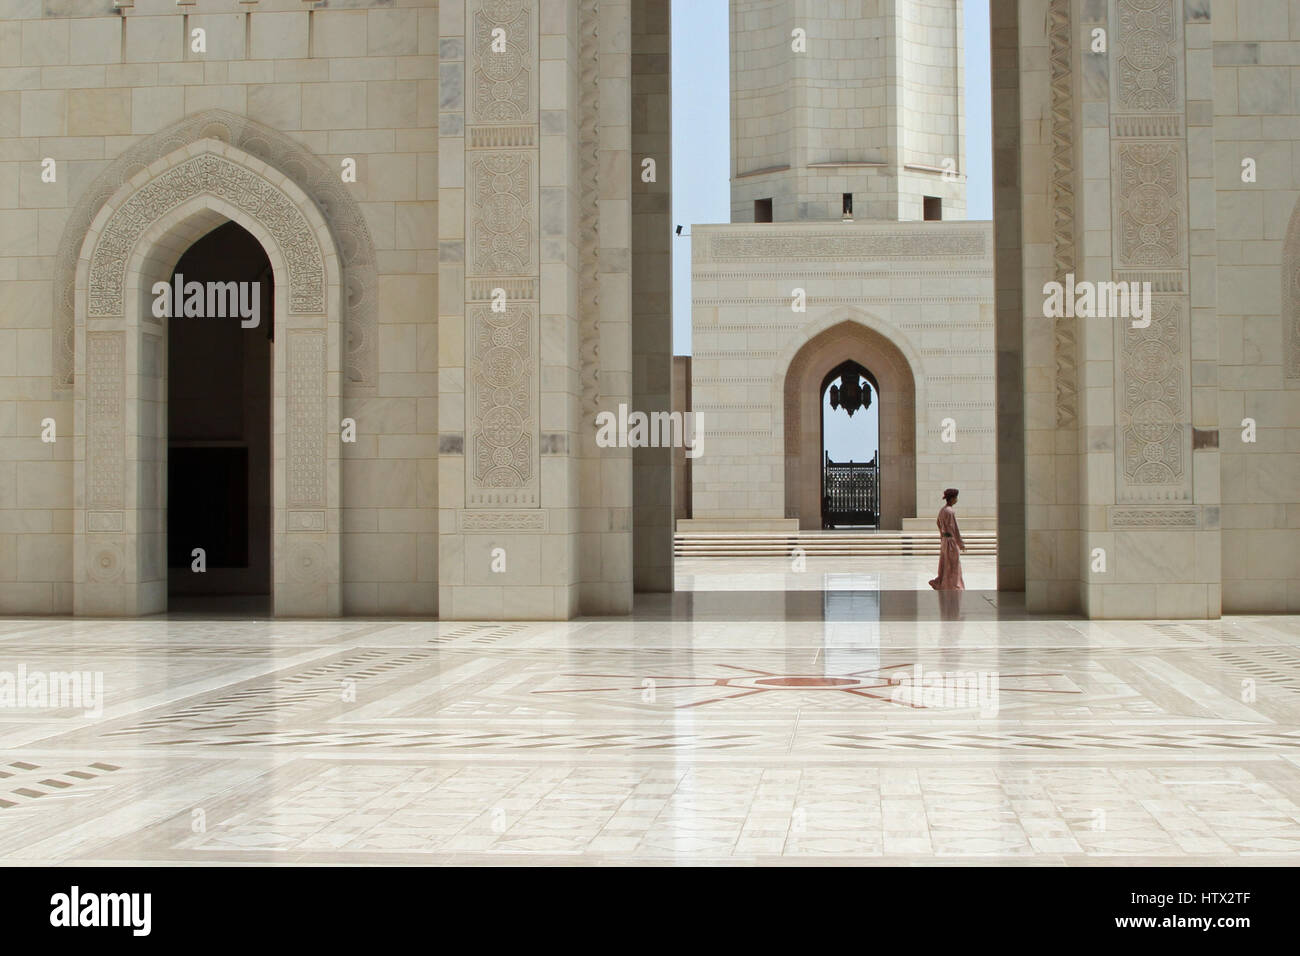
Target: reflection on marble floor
[
  {"x": 816, "y": 573},
  {"x": 845, "y": 733}
]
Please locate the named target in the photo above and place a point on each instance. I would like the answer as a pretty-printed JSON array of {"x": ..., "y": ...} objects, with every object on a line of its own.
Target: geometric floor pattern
[{"x": 850, "y": 724}]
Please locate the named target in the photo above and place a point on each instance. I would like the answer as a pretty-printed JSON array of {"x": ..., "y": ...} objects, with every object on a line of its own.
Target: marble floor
[
  {"x": 870, "y": 723},
  {"x": 814, "y": 573}
]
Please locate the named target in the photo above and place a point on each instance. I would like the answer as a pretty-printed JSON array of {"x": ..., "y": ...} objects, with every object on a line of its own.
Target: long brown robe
[{"x": 949, "y": 578}]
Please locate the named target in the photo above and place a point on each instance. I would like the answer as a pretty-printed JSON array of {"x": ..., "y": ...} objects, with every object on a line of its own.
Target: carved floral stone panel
[
  {"x": 1151, "y": 205},
  {"x": 305, "y": 418},
  {"x": 502, "y": 402},
  {"x": 1150, "y": 223},
  {"x": 105, "y": 420},
  {"x": 502, "y": 230},
  {"x": 1153, "y": 399},
  {"x": 503, "y": 62},
  {"x": 503, "y": 213},
  {"x": 1147, "y": 44}
]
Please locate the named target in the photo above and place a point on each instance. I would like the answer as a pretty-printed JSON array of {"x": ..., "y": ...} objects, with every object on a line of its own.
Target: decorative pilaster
[{"x": 502, "y": 275}]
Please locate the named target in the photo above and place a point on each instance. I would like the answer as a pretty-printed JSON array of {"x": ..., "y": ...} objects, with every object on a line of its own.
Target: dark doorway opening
[
  {"x": 850, "y": 473},
  {"x": 219, "y": 426}
]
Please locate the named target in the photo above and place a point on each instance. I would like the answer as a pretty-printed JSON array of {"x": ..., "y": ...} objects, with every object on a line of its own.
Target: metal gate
[{"x": 850, "y": 492}]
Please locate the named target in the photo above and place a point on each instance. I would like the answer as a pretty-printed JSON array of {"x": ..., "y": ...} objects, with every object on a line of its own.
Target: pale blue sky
[{"x": 701, "y": 167}]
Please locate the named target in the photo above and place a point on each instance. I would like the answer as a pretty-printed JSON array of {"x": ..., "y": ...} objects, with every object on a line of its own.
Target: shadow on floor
[{"x": 229, "y": 606}]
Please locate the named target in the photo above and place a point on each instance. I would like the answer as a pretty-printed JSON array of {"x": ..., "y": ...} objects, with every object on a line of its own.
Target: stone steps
[{"x": 846, "y": 544}]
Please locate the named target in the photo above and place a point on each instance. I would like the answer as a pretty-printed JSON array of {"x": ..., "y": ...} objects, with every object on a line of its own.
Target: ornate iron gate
[{"x": 850, "y": 493}]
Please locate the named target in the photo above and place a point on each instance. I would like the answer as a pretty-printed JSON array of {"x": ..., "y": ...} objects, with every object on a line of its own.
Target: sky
[{"x": 701, "y": 169}]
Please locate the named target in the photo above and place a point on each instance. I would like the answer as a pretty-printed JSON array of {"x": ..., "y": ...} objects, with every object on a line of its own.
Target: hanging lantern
[
  {"x": 849, "y": 390},
  {"x": 851, "y": 394}
]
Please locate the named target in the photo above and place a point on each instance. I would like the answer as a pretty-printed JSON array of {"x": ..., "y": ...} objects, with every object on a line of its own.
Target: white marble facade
[
  {"x": 926, "y": 289},
  {"x": 475, "y": 169},
  {"x": 1137, "y": 472},
  {"x": 1169, "y": 159},
  {"x": 846, "y": 123},
  {"x": 519, "y": 169}
]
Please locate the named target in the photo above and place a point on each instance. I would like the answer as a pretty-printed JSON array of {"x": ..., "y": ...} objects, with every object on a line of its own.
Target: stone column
[
  {"x": 1009, "y": 298},
  {"x": 605, "y": 260},
  {"x": 491, "y": 519},
  {"x": 652, "y": 329},
  {"x": 1150, "y": 488},
  {"x": 1047, "y": 161}
]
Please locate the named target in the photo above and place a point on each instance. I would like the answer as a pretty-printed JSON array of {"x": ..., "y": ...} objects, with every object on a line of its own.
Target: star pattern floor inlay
[{"x": 715, "y": 725}]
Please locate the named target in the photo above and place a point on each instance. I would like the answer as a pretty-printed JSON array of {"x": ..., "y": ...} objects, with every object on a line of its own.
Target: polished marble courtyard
[{"x": 719, "y": 725}]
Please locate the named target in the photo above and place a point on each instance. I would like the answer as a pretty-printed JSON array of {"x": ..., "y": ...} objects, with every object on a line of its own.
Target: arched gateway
[
  {"x": 135, "y": 241},
  {"x": 829, "y": 350}
]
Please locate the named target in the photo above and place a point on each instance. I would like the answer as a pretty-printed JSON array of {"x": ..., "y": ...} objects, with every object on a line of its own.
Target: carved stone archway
[
  {"x": 848, "y": 338},
  {"x": 282, "y": 153},
  {"x": 135, "y": 240}
]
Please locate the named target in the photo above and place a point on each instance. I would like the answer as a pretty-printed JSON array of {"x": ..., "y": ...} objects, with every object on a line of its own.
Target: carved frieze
[
  {"x": 1154, "y": 518},
  {"x": 881, "y": 246},
  {"x": 514, "y": 521}
]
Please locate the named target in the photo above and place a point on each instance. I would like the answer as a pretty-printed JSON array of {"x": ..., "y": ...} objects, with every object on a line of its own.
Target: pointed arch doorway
[
  {"x": 219, "y": 426},
  {"x": 807, "y": 379},
  {"x": 850, "y": 479},
  {"x": 120, "y": 562}
]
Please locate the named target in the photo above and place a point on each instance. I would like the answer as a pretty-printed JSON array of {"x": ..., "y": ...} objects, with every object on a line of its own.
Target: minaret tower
[{"x": 847, "y": 109}]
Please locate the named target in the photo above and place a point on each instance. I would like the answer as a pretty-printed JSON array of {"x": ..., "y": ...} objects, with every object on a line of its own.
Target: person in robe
[{"x": 950, "y": 547}]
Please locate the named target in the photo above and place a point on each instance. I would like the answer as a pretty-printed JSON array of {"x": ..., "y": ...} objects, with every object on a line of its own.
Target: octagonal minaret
[{"x": 867, "y": 100}]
